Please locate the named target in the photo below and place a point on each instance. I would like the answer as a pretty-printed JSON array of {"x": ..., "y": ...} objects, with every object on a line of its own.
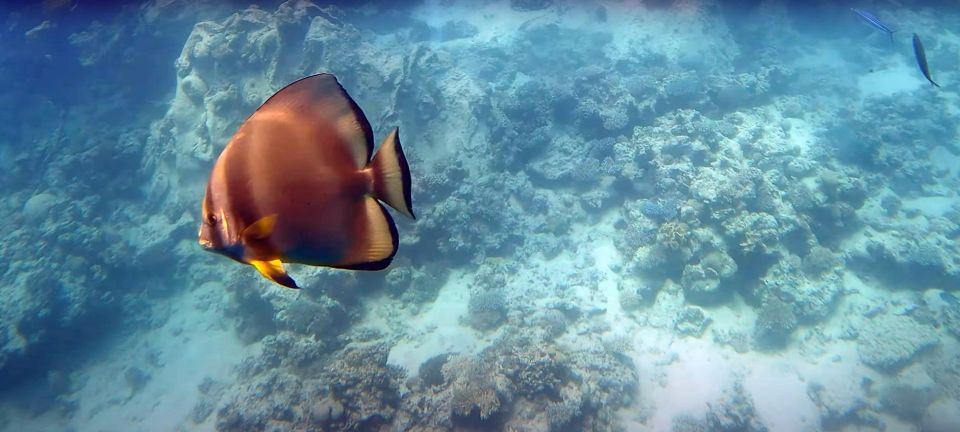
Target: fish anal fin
[
  {"x": 260, "y": 229},
  {"x": 374, "y": 239},
  {"x": 274, "y": 271},
  {"x": 391, "y": 175}
]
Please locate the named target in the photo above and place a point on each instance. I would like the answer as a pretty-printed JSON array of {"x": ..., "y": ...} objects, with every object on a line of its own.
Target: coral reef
[
  {"x": 889, "y": 342},
  {"x": 585, "y": 176},
  {"x": 520, "y": 382},
  {"x": 83, "y": 253},
  {"x": 775, "y": 321},
  {"x": 734, "y": 412},
  {"x": 350, "y": 389},
  {"x": 691, "y": 322},
  {"x": 942, "y": 416},
  {"x": 908, "y": 401}
]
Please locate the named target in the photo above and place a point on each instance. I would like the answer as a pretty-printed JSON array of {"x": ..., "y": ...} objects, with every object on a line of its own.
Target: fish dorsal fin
[
  {"x": 260, "y": 229},
  {"x": 274, "y": 271},
  {"x": 322, "y": 98}
]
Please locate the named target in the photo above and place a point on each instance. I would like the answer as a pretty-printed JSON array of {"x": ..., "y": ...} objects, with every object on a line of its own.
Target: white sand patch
[
  {"x": 494, "y": 20},
  {"x": 606, "y": 259},
  {"x": 802, "y": 135},
  {"x": 932, "y": 205},
  {"x": 695, "y": 372},
  {"x": 942, "y": 159},
  {"x": 194, "y": 343},
  {"x": 823, "y": 56},
  {"x": 896, "y": 77},
  {"x": 437, "y": 330},
  {"x": 780, "y": 395}
]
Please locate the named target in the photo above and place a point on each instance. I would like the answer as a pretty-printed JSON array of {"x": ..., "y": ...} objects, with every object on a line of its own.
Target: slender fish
[
  {"x": 922, "y": 59},
  {"x": 874, "y": 21}
]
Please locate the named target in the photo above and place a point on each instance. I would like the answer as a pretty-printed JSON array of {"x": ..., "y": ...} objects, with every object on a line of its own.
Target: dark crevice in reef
[
  {"x": 60, "y": 348},
  {"x": 750, "y": 268},
  {"x": 903, "y": 276}
]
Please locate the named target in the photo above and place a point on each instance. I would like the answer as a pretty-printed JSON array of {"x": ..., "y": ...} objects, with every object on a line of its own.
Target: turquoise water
[{"x": 642, "y": 216}]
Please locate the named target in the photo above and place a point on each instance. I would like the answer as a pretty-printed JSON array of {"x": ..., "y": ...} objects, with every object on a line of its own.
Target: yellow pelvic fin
[
  {"x": 274, "y": 271},
  {"x": 260, "y": 229}
]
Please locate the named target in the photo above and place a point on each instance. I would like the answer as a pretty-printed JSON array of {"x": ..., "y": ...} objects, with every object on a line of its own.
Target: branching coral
[
  {"x": 673, "y": 235},
  {"x": 475, "y": 387}
]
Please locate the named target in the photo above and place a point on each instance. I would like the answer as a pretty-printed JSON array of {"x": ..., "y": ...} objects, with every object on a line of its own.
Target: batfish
[{"x": 297, "y": 184}]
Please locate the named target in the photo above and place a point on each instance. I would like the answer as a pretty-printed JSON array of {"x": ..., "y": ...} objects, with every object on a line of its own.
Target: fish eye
[{"x": 211, "y": 219}]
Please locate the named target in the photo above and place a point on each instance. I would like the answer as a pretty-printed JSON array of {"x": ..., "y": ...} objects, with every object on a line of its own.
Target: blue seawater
[{"x": 638, "y": 215}]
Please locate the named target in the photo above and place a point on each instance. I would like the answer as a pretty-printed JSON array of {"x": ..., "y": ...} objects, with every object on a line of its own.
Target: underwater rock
[
  {"x": 530, "y": 5},
  {"x": 909, "y": 257},
  {"x": 210, "y": 393},
  {"x": 738, "y": 340},
  {"x": 415, "y": 286},
  {"x": 487, "y": 309},
  {"x": 754, "y": 232},
  {"x": 461, "y": 230},
  {"x": 326, "y": 410},
  {"x": 844, "y": 188},
  {"x": 534, "y": 368},
  {"x": 38, "y": 207},
  {"x": 820, "y": 260},
  {"x": 636, "y": 229},
  {"x": 701, "y": 282},
  {"x": 942, "y": 416},
  {"x": 360, "y": 379},
  {"x": 253, "y": 312},
  {"x": 264, "y": 401},
  {"x": 323, "y": 319},
  {"x": 453, "y": 30},
  {"x": 634, "y": 294},
  {"x": 907, "y": 400},
  {"x": 775, "y": 321},
  {"x": 734, "y": 413},
  {"x": 810, "y": 299},
  {"x": 136, "y": 379},
  {"x": 890, "y": 342},
  {"x": 840, "y": 407},
  {"x": 522, "y": 380},
  {"x": 553, "y": 321},
  {"x": 431, "y": 371},
  {"x": 891, "y": 204},
  {"x": 687, "y": 423},
  {"x": 691, "y": 321},
  {"x": 476, "y": 389}
]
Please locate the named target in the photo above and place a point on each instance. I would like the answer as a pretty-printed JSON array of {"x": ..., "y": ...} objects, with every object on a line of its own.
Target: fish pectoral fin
[
  {"x": 260, "y": 229},
  {"x": 274, "y": 271}
]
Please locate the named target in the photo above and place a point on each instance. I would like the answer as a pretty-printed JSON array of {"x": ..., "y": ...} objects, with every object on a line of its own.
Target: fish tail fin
[{"x": 391, "y": 175}]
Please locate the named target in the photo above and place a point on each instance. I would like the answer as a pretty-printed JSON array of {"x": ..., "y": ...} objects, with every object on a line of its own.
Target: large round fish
[{"x": 296, "y": 184}]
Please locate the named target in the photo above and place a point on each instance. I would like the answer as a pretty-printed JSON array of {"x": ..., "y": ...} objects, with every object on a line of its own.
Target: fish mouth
[{"x": 206, "y": 244}]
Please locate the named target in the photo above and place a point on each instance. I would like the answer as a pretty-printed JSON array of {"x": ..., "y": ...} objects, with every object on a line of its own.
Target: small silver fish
[{"x": 874, "y": 21}]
